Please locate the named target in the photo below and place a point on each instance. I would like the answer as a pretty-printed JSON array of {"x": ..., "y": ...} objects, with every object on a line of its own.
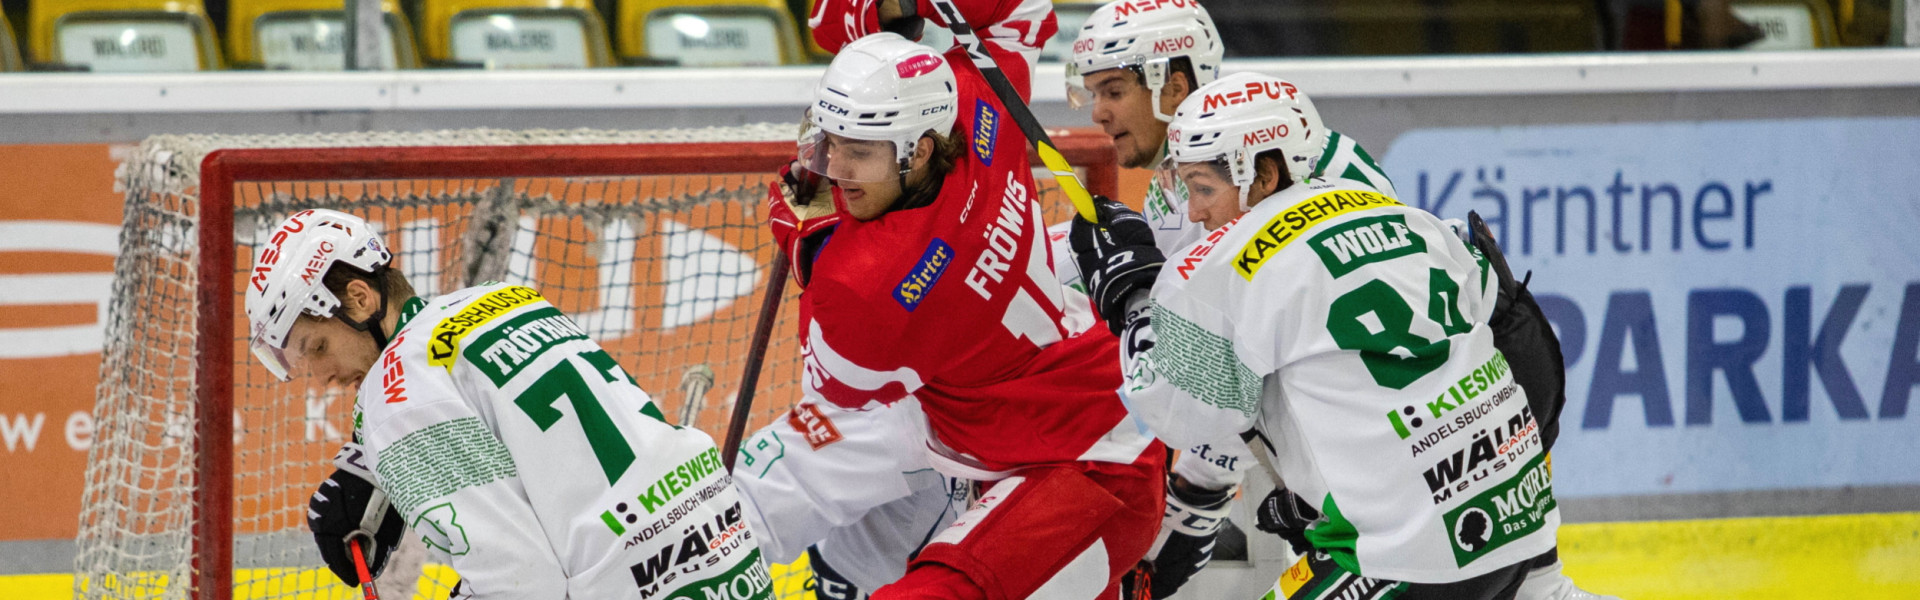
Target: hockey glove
[
  {"x": 1187, "y": 533},
  {"x": 1522, "y": 333},
  {"x": 902, "y": 17},
  {"x": 348, "y": 505},
  {"x": 1287, "y": 515},
  {"x": 1117, "y": 257},
  {"x": 799, "y": 212}
]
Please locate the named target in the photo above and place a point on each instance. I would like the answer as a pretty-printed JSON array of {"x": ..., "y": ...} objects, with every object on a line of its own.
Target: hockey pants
[{"x": 1046, "y": 533}]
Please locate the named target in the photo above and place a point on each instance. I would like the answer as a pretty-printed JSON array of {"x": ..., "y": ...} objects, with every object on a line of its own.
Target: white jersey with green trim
[
  {"x": 1350, "y": 332},
  {"x": 1223, "y": 463},
  {"x": 518, "y": 450}
]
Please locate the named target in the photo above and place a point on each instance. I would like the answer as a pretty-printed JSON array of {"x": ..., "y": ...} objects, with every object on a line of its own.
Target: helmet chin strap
[
  {"x": 372, "y": 324},
  {"x": 1154, "y": 74}
]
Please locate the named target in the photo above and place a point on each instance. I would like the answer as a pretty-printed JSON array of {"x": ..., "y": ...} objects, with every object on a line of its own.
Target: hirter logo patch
[
  {"x": 925, "y": 273},
  {"x": 986, "y": 126}
]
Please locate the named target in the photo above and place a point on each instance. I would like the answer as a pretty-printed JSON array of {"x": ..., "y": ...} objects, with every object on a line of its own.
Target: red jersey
[{"x": 956, "y": 304}]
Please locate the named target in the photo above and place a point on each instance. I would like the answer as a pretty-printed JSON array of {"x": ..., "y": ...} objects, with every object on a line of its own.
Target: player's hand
[
  {"x": 799, "y": 206},
  {"x": 1187, "y": 533},
  {"x": 348, "y": 505},
  {"x": 1117, "y": 257},
  {"x": 1287, "y": 515}
]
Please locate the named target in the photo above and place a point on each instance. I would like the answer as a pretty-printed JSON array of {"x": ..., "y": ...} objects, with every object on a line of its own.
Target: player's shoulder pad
[
  {"x": 1243, "y": 246},
  {"x": 453, "y": 322},
  {"x": 873, "y": 264}
]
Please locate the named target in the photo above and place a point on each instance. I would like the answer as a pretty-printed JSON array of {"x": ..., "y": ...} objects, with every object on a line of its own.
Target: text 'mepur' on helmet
[
  {"x": 286, "y": 280},
  {"x": 1235, "y": 118}
]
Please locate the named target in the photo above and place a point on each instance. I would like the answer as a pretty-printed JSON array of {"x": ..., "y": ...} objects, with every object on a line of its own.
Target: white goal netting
[{"x": 665, "y": 268}]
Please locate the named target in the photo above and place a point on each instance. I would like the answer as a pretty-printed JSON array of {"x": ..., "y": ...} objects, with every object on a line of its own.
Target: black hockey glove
[
  {"x": 909, "y": 24},
  {"x": 829, "y": 584},
  {"x": 1287, "y": 515},
  {"x": 1522, "y": 333},
  {"x": 1116, "y": 257},
  {"x": 1187, "y": 533},
  {"x": 347, "y": 505}
]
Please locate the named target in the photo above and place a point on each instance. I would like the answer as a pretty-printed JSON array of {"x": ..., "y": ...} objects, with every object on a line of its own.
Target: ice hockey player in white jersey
[
  {"x": 857, "y": 536},
  {"x": 1132, "y": 65},
  {"x": 494, "y": 429},
  {"x": 1296, "y": 319}
]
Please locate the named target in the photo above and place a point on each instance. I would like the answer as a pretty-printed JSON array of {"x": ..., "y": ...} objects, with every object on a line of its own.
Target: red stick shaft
[{"x": 360, "y": 568}]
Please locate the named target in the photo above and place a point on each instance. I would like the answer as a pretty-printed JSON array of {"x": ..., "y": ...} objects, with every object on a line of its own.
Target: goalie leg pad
[{"x": 1046, "y": 533}]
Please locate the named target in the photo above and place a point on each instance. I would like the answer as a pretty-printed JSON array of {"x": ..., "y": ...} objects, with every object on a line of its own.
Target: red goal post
[{"x": 678, "y": 175}]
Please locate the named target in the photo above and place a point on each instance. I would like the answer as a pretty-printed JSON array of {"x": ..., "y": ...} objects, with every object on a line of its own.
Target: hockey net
[{"x": 198, "y": 480}]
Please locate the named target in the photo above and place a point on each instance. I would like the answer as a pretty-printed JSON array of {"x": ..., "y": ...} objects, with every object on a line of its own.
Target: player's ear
[
  {"x": 923, "y": 152},
  {"x": 359, "y": 301},
  {"x": 1267, "y": 175},
  {"x": 1175, "y": 91}
]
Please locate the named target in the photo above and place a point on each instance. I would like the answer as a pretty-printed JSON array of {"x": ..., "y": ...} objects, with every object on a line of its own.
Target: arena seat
[
  {"x": 9, "y": 47},
  {"x": 513, "y": 34},
  {"x": 308, "y": 35},
  {"x": 110, "y": 36},
  {"x": 1788, "y": 24},
  {"x": 709, "y": 33}
]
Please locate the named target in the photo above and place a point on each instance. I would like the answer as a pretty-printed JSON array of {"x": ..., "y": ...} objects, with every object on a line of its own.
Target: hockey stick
[
  {"x": 756, "y": 355},
  {"x": 1017, "y": 108},
  {"x": 360, "y": 568}
]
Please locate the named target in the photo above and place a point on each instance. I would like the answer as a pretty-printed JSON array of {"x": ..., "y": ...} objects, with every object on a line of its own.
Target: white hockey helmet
[
  {"x": 883, "y": 88},
  {"x": 287, "y": 274},
  {"x": 1144, "y": 36},
  {"x": 1234, "y": 119}
]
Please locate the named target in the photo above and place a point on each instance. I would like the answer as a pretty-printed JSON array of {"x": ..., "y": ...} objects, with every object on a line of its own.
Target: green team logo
[
  {"x": 1360, "y": 242},
  {"x": 439, "y": 528},
  {"x": 759, "y": 453},
  {"x": 1510, "y": 511}
]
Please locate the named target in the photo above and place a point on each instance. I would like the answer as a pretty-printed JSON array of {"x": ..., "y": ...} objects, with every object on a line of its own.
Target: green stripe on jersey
[{"x": 1336, "y": 537}]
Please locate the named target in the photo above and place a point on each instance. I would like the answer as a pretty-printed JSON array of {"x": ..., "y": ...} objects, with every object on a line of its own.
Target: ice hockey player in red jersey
[{"x": 927, "y": 277}]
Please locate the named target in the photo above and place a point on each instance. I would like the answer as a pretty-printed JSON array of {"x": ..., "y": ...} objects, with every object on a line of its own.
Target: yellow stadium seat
[
  {"x": 9, "y": 47},
  {"x": 123, "y": 35},
  {"x": 308, "y": 35},
  {"x": 1069, "y": 14},
  {"x": 1788, "y": 24},
  {"x": 514, "y": 34},
  {"x": 709, "y": 33}
]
